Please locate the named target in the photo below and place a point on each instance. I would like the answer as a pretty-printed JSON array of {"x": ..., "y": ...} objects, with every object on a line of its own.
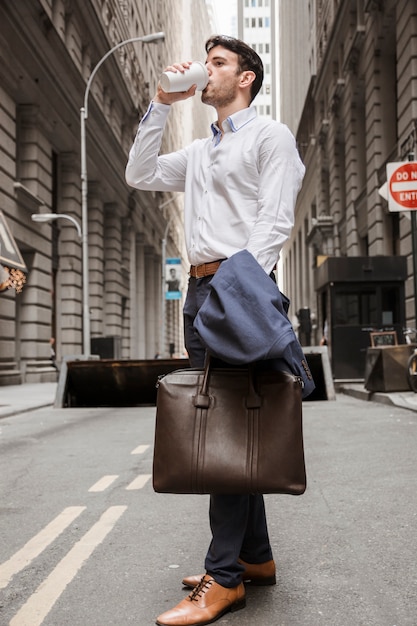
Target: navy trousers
[{"x": 238, "y": 522}]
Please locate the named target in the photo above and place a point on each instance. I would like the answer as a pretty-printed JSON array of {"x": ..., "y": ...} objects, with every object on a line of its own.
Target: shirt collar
[{"x": 235, "y": 122}]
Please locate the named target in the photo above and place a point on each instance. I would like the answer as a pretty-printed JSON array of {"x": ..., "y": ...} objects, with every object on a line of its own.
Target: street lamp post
[{"x": 155, "y": 37}]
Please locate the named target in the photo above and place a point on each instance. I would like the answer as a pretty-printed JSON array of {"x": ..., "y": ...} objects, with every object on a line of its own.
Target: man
[
  {"x": 173, "y": 283},
  {"x": 240, "y": 189}
]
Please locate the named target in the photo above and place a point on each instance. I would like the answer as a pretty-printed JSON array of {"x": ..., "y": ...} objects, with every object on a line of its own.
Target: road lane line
[
  {"x": 37, "y": 544},
  {"x": 140, "y": 449},
  {"x": 39, "y": 604},
  {"x": 103, "y": 483},
  {"x": 139, "y": 482}
]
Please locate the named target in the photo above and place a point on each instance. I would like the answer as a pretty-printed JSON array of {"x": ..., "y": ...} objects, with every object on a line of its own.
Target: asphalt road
[{"x": 84, "y": 540}]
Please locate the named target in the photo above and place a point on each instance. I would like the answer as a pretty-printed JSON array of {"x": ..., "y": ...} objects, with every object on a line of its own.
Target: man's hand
[{"x": 169, "y": 98}]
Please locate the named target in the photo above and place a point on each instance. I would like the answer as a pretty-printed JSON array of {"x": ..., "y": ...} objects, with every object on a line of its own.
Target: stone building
[
  {"x": 48, "y": 50},
  {"x": 350, "y": 260}
]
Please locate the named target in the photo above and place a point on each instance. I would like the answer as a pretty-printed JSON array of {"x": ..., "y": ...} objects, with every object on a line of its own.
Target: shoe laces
[{"x": 200, "y": 589}]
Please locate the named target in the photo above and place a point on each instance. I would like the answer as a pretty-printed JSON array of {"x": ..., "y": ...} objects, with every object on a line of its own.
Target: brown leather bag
[{"x": 229, "y": 430}]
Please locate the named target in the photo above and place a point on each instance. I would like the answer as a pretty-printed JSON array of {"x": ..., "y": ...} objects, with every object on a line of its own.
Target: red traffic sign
[{"x": 402, "y": 186}]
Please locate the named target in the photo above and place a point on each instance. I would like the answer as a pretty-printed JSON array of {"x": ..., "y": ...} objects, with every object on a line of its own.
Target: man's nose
[{"x": 208, "y": 67}]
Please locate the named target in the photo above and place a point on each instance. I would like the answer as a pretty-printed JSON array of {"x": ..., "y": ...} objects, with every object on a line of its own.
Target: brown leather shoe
[
  {"x": 258, "y": 574},
  {"x": 206, "y": 603}
]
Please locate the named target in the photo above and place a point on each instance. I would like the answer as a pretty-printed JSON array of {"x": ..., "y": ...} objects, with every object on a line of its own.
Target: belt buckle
[{"x": 197, "y": 275}]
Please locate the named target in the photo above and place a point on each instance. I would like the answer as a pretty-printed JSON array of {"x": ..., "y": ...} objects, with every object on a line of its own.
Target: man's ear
[{"x": 247, "y": 78}]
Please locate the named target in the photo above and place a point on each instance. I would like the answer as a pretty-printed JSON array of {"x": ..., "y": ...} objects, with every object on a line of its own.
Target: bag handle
[{"x": 202, "y": 398}]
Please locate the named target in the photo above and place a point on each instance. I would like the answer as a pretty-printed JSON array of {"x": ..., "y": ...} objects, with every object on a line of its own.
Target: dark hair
[{"x": 247, "y": 58}]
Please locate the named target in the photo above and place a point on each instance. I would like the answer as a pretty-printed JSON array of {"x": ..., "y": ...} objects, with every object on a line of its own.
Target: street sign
[
  {"x": 173, "y": 279},
  {"x": 402, "y": 186}
]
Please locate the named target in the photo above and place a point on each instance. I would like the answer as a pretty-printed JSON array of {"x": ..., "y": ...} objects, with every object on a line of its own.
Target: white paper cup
[{"x": 177, "y": 81}]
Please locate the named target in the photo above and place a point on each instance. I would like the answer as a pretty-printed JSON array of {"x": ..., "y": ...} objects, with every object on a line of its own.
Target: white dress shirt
[{"x": 240, "y": 189}]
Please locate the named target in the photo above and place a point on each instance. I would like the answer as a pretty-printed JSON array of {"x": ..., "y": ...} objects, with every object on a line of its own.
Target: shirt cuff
[{"x": 156, "y": 109}]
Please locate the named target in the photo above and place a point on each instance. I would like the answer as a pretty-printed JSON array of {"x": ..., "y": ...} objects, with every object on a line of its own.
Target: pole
[
  {"x": 162, "y": 337},
  {"x": 414, "y": 242},
  {"x": 84, "y": 241},
  {"x": 411, "y": 157},
  {"x": 163, "y": 300},
  {"x": 84, "y": 186}
]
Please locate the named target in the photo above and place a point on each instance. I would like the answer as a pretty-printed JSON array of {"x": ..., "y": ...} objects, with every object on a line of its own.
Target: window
[{"x": 356, "y": 309}]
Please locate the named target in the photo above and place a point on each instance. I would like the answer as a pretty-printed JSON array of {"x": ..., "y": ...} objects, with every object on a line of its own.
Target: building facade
[
  {"x": 297, "y": 57},
  {"x": 350, "y": 260},
  {"x": 258, "y": 27},
  {"x": 48, "y": 50}
]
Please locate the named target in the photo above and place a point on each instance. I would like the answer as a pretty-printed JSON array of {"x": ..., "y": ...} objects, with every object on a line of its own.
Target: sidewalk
[
  {"x": 15, "y": 399},
  {"x": 403, "y": 399}
]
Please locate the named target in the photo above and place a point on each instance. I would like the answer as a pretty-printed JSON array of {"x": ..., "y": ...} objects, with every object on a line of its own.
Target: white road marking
[
  {"x": 139, "y": 482},
  {"x": 37, "y": 544},
  {"x": 140, "y": 449},
  {"x": 39, "y": 604},
  {"x": 103, "y": 483}
]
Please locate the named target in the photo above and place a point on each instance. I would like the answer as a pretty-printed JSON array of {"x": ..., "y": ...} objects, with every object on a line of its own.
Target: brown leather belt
[{"x": 205, "y": 269}]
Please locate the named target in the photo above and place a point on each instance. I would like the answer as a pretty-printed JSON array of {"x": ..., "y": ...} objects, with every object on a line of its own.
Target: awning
[{"x": 12, "y": 265}]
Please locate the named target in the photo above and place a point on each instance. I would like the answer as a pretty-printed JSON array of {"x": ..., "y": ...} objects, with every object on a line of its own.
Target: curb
[
  {"x": 393, "y": 399},
  {"x": 17, "y": 411}
]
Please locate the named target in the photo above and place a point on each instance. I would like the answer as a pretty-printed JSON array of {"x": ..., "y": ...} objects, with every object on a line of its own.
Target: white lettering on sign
[{"x": 407, "y": 196}]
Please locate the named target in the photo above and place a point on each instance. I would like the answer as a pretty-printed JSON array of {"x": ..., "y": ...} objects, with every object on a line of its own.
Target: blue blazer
[{"x": 244, "y": 319}]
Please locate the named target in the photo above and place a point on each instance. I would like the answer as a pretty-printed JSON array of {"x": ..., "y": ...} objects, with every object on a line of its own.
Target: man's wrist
[{"x": 157, "y": 100}]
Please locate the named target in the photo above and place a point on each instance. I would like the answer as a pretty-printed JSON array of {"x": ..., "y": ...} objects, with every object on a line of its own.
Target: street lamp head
[
  {"x": 49, "y": 217},
  {"x": 154, "y": 37},
  {"x": 43, "y": 217}
]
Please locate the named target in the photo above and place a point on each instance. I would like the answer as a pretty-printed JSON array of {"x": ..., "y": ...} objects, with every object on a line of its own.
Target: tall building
[
  {"x": 258, "y": 27},
  {"x": 297, "y": 57},
  {"x": 350, "y": 259},
  {"x": 49, "y": 50}
]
